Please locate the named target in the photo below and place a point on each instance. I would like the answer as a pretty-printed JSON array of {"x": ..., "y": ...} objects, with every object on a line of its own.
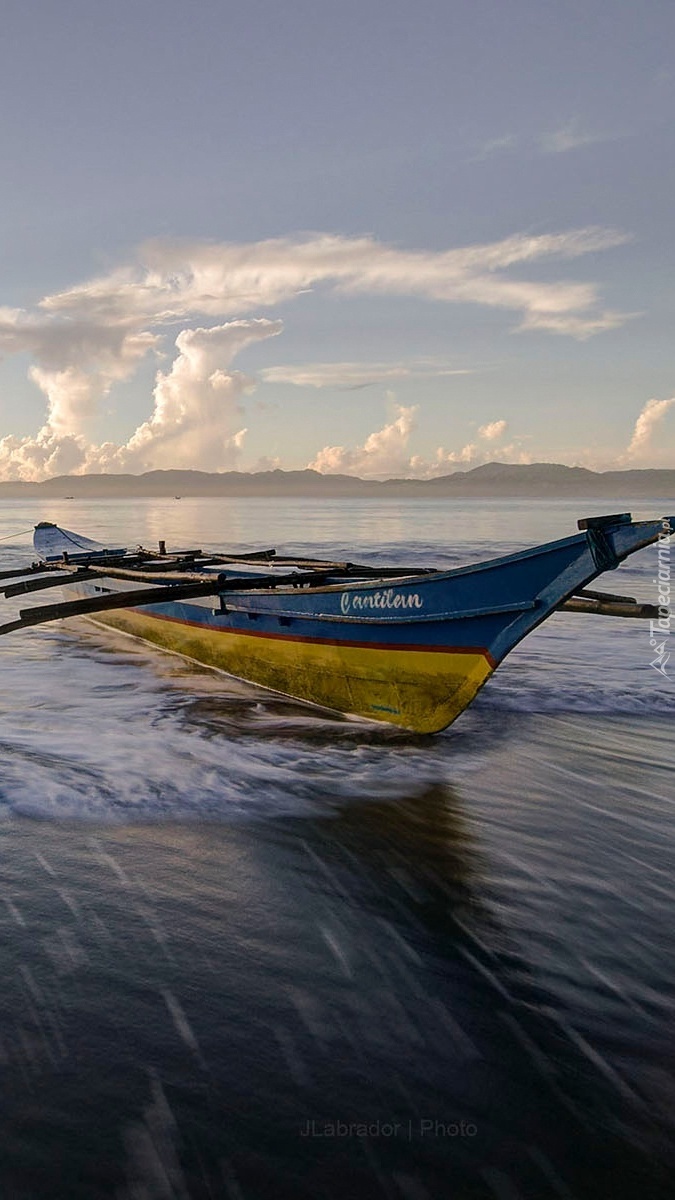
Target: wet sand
[{"x": 466, "y": 992}]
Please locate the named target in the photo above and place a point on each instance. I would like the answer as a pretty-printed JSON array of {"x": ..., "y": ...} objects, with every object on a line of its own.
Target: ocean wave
[{"x": 104, "y": 728}]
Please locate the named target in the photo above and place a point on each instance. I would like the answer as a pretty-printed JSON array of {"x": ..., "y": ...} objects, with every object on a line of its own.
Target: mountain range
[{"x": 533, "y": 481}]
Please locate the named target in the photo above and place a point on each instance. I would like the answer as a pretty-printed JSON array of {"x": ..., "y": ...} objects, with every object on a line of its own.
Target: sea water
[{"x": 234, "y": 927}]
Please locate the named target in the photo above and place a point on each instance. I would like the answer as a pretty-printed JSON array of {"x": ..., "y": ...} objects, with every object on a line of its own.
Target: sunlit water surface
[{"x": 226, "y": 915}]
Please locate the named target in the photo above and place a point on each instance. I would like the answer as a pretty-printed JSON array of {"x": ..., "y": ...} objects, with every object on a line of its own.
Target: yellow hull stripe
[{"x": 422, "y": 690}]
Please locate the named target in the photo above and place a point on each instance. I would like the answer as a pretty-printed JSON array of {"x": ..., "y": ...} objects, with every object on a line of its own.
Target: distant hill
[{"x": 533, "y": 481}]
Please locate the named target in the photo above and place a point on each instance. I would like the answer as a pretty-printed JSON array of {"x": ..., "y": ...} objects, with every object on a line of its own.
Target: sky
[{"x": 370, "y": 237}]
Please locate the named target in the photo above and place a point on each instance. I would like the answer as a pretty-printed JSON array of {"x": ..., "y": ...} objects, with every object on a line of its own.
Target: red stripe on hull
[{"x": 320, "y": 641}]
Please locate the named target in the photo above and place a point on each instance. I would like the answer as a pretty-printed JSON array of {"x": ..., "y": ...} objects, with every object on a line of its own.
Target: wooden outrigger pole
[
  {"x": 92, "y": 604},
  {"x": 140, "y": 597}
]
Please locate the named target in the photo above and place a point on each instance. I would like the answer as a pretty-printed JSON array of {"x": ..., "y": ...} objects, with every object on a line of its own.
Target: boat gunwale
[
  {"x": 428, "y": 576},
  {"x": 433, "y": 576},
  {"x": 423, "y": 576}
]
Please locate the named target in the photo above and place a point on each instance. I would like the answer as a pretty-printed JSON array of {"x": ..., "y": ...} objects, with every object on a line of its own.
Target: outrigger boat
[{"x": 408, "y": 646}]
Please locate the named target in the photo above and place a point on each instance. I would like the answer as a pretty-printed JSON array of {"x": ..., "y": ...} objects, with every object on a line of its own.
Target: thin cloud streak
[
  {"x": 499, "y": 145},
  {"x": 176, "y": 280},
  {"x": 570, "y": 137},
  {"x": 350, "y": 376}
]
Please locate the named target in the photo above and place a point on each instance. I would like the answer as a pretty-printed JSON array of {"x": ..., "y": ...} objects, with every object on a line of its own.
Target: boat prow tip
[{"x": 605, "y": 522}]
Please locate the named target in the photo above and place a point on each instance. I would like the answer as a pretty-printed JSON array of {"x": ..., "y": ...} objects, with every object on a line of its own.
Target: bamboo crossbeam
[
  {"x": 166, "y": 576},
  {"x": 607, "y": 608},
  {"x": 587, "y": 594},
  {"x": 32, "y": 569},
  {"x": 39, "y": 585},
  {"x": 141, "y": 597}
]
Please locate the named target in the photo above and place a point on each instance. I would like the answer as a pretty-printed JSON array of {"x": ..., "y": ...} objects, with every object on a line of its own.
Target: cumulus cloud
[
  {"x": 196, "y": 401},
  {"x": 42, "y": 456},
  {"x": 492, "y": 431},
  {"x": 85, "y": 339},
  {"x": 193, "y": 422},
  {"x": 468, "y": 454},
  {"x": 267, "y": 463},
  {"x": 77, "y": 361},
  {"x": 384, "y": 452},
  {"x": 646, "y": 426},
  {"x": 473, "y": 453}
]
